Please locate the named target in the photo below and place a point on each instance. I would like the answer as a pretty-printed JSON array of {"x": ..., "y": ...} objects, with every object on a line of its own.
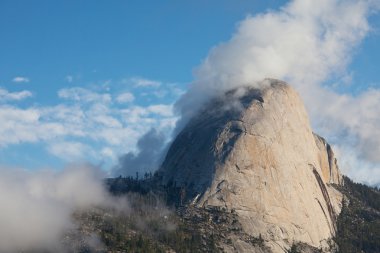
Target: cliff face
[{"x": 253, "y": 152}]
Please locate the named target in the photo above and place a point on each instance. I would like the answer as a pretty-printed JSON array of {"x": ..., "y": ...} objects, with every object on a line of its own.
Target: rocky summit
[{"x": 252, "y": 152}]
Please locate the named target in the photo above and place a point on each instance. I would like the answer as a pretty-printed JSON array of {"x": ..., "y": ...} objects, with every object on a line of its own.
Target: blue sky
[
  {"x": 164, "y": 40},
  {"x": 83, "y": 80},
  {"x": 103, "y": 47}
]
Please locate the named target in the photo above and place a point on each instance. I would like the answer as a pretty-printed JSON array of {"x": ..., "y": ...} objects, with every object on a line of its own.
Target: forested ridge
[
  {"x": 157, "y": 221},
  {"x": 359, "y": 222}
]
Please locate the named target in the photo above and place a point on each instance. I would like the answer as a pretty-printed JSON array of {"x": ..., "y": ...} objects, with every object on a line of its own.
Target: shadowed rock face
[{"x": 253, "y": 151}]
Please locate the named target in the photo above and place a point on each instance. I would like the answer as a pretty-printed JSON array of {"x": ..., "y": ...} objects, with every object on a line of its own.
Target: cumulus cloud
[
  {"x": 309, "y": 44},
  {"x": 36, "y": 207},
  {"x": 125, "y": 97},
  {"x": 87, "y": 123},
  {"x": 5, "y": 95},
  {"x": 20, "y": 79},
  {"x": 150, "y": 149},
  {"x": 369, "y": 172},
  {"x": 24, "y": 125},
  {"x": 96, "y": 122}
]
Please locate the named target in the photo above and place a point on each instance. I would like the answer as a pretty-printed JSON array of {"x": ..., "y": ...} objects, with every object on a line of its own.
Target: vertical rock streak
[{"x": 228, "y": 154}]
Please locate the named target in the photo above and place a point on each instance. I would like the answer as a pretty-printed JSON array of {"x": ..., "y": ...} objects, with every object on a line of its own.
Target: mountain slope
[
  {"x": 359, "y": 222},
  {"x": 253, "y": 152}
]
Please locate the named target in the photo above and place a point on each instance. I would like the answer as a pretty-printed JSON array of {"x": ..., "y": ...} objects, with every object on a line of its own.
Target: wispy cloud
[
  {"x": 142, "y": 82},
  {"x": 83, "y": 95},
  {"x": 69, "y": 78},
  {"x": 20, "y": 79},
  {"x": 5, "y": 95}
]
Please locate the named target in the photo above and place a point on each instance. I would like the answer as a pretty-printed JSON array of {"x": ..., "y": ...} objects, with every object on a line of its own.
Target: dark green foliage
[
  {"x": 256, "y": 241},
  {"x": 182, "y": 240},
  {"x": 122, "y": 185},
  {"x": 293, "y": 249},
  {"x": 148, "y": 227},
  {"x": 359, "y": 221},
  {"x": 369, "y": 196},
  {"x": 358, "y": 225},
  {"x": 169, "y": 194}
]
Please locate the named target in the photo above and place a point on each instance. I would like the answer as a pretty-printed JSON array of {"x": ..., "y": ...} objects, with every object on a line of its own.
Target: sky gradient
[{"x": 84, "y": 80}]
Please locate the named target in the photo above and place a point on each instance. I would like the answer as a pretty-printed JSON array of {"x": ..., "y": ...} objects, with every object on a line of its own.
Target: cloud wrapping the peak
[
  {"x": 304, "y": 43},
  {"x": 309, "y": 44}
]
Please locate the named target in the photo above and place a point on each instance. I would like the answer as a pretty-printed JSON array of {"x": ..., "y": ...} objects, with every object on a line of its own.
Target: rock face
[{"x": 253, "y": 152}]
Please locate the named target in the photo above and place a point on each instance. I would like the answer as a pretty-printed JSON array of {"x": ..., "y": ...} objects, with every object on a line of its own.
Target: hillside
[
  {"x": 190, "y": 229},
  {"x": 252, "y": 151},
  {"x": 359, "y": 222},
  {"x": 245, "y": 174}
]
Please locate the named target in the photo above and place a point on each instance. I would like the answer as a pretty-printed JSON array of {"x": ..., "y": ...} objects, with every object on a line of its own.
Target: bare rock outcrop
[{"x": 253, "y": 152}]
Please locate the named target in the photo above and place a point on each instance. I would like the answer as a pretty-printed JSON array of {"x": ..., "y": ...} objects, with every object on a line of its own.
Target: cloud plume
[
  {"x": 309, "y": 44},
  {"x": 151, "y": 148}
]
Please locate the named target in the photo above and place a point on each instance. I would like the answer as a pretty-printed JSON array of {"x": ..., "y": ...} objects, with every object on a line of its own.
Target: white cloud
[
  {"x": 70, "y": 151},
  {"x": 137, "y": 114},
  {"x": 107, "y": 152},
  {"x": 52, "y": 123},
  {"x": 358, "y": 169},
  {"x": 174, "y": 90},
  {"x": 120, "y": 138},
  {"x": 83, "y": 95},
  {"x": 134, "y": 114},
  {"x": 37, "y": 206},
  {"x": 125, "y": 97},
  {"x": 20, "y": 79},
  {"x": 107, "y": 121},
  {"x": 28, "y": 125},
  {"x": 142, "y": 82},
  {"x": 14, "y": 96},
  {"x": 80, "y": 130},
  {"x": 306, "y": 43},
  {"x": 270, "y": 45},
  {"x": 162, "y": 110}
]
